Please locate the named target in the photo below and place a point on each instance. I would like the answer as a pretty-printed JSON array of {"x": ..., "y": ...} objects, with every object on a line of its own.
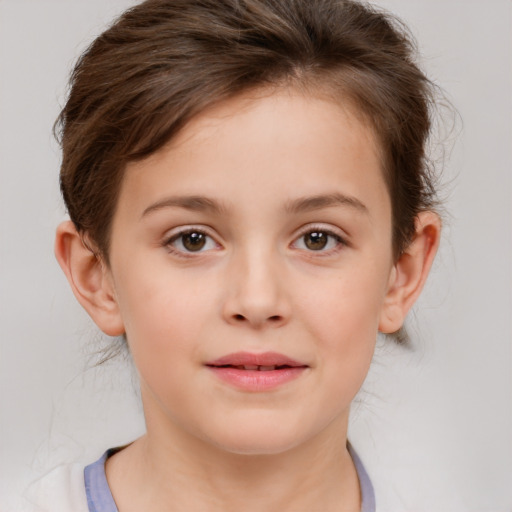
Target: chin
[
  {"x": 257, "y": 438},
  {"x": 259, "y": 446}
]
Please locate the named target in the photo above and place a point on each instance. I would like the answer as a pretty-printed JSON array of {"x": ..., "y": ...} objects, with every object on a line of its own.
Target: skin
[{"x": 263, "y": 160}]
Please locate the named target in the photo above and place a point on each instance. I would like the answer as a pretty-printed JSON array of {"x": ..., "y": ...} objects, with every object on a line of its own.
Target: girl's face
[{"x": 250, "y": 261}]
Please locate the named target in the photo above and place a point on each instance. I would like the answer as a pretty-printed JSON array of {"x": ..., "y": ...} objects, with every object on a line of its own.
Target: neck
[{"x": 168, "y": 465}]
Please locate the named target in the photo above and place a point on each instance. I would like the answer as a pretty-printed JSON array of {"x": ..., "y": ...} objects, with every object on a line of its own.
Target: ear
[
  {"x": 410, "y": 272},
  {"x": 90, "y": 279}
]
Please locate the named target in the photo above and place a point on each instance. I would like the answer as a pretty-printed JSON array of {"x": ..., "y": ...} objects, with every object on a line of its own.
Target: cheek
[
  {"x": 348, "y": 305},
  {"x": 343, "y": 318},
  {"x": 164, "y": 315}
]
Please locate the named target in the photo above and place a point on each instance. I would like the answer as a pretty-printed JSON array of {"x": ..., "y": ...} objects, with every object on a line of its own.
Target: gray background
[{"x": 433, "y": 424}]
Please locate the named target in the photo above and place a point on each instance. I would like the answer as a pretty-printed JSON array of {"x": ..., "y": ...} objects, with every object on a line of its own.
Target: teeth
[{"x": 254, "y": 367}]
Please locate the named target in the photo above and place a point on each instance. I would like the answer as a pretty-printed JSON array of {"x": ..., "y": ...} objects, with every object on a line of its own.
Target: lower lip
[{"x": 256, "y": 380}]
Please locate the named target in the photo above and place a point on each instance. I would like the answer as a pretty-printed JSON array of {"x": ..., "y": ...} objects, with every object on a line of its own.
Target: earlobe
[
  {"x": 89, "y": 279},
  {"x": 410, "y": 272}
]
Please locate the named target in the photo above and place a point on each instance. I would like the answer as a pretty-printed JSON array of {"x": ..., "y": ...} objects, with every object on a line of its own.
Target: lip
[{"x": 272, "y": 370}]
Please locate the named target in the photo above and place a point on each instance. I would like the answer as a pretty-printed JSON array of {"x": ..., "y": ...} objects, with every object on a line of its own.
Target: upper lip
[{"x": 251, "y": 359}]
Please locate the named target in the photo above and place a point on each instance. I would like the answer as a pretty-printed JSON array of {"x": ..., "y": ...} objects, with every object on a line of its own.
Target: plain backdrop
[{"x": 433, "y": 423}]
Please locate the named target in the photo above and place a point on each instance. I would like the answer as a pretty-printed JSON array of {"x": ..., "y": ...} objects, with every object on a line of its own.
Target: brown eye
[
  {"x": 193, "y": 241},
  {"x": 319, "y": 240},
  {"x": 316, "y": 240}
]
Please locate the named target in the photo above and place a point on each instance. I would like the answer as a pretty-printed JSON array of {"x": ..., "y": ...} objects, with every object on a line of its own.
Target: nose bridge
[{"x": 257, "y": 294}]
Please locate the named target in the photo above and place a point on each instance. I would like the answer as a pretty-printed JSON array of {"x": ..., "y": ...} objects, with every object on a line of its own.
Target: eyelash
[
  {"x": 184, "y": 253},
  {"x": 340, "y": 241}
]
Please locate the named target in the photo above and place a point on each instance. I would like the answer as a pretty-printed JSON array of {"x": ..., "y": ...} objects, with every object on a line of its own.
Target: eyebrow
[
  {"x": 302, "y": 204},
  {"x": 194, "y": 203},
  {"x": 311, "y": 203}
]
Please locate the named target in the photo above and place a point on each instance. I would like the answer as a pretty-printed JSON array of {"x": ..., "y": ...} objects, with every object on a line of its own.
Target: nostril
[{"x": 241, "y": 318}]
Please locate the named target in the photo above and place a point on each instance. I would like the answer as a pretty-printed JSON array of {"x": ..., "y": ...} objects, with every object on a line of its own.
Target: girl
[{"x": 250, "y": 205}]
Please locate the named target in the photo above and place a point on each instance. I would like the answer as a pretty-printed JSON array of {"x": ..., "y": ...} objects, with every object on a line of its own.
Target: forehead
[
  {"x": 285, "y": 143},
  {"x": 273, "y": 109}
]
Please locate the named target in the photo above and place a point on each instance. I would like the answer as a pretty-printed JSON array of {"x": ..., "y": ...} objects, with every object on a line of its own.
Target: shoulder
[{"x": 61, "y": 490}]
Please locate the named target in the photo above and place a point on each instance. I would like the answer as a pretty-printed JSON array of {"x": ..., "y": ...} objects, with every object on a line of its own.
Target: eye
[
  {"x": 319, "y": 240},
  {"x": 191, "y": 241}
]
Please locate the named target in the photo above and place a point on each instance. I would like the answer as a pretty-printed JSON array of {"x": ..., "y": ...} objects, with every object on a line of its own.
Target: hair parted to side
[{"x": 165, "y": 61}]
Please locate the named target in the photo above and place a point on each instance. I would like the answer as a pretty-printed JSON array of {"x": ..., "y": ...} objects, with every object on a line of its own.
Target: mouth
[
  {"x": 256, "y": 372},
  {"x": 261, "y": 362},
  {"x": 254, "y": 368}
]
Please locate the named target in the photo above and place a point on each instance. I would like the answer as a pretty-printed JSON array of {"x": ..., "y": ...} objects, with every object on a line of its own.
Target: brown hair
[{"x": 165, "y": 61}]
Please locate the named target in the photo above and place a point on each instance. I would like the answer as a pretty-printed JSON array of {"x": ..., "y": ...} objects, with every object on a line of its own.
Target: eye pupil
[
  {"x": 194, "y": 241},
  {"x": 315, "y": 240}
]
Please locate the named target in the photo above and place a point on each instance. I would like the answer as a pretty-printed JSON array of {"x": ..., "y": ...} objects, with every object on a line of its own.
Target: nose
[{"x": 256, "y": 292}]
